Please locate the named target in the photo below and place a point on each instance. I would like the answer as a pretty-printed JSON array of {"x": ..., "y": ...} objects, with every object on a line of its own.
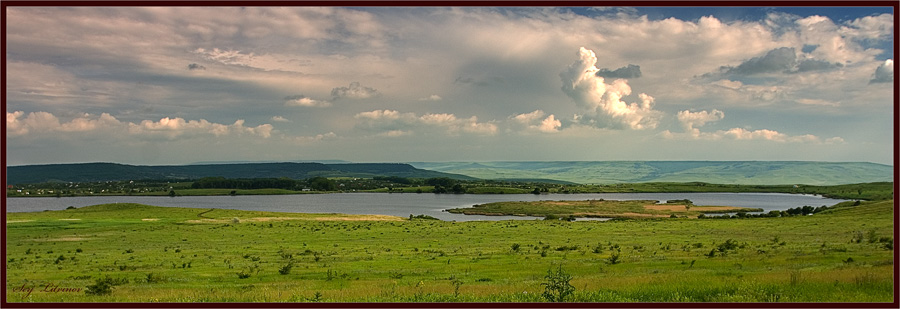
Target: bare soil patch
[{"x": 666, "y": 207}]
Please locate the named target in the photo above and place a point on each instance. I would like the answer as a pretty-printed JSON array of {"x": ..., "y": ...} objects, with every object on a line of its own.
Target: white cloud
[
  {"x": 279, "y": 119},
  {"x": 690, "y": 120},
  {"x": 602, "y": 102},
  {"x": 870, "y": 27},
  {"x": 174, "y": 127},
  {"x": 393, "y": 123},
  {"x": 740, "y": 134},
  {"x": 301, "y": 100},
  {"x": 432, "y": 97},
  {"x": 532, "y": 122},
  {"x": 884, "y": 73},
  {"x": 819, "y": 102},
  {"x": 302, "y": 140},
  {"x": 46, "y": 123}
]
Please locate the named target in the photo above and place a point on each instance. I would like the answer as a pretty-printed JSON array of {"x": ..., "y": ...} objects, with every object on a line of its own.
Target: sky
[{"x": 178, "y": 85}]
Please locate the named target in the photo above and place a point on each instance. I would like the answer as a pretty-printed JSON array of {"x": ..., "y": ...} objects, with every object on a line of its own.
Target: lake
[{"x": 404, "y": 204}]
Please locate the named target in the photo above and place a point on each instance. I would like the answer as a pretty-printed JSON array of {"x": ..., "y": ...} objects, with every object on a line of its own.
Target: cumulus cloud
[
  {"x": 354, "y": 91},
  {"x": 533, "y": 122},
  {"x": 310, "y": 139},
  {"x": 280, "y": 119},
  {"x": 629, "y": 71},
  {"x": 740, "y": 134},
  {"x": 302, "y": 100},
  {"x": 819, "y": 102},
  {"x": 602, "y": 102},
  {"x": 18, "y": 124},
  {"x": 432, "y": 97},
  {"x": 878, "y": 27},
  {"x": 393, "y": 123},
  {"x": 691, "y": 120},
  {"x": 884, "y": 73}
]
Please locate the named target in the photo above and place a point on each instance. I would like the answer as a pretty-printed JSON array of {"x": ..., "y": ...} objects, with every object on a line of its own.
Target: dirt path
[{"x": 201, "y": 215}]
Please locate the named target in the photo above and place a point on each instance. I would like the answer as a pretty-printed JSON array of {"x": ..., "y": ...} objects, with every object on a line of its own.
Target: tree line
[{"x": 315, "y": 183}]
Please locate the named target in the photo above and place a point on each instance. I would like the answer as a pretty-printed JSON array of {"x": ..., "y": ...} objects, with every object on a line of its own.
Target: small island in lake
[{"x": 634, "y": 209}]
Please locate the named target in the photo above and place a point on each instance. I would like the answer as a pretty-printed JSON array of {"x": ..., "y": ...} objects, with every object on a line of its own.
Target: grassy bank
[
  {"x": 155, "y": 254},
  {"x": 633, "y": 209}
]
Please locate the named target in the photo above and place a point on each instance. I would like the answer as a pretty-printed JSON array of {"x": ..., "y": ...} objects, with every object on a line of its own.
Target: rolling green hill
[
  {"x": 721, "y": 172},
  {"x": 92, "y": 172}
]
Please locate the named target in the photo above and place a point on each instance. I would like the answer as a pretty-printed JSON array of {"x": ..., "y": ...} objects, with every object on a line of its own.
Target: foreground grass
[
  {"x": 157, "y": 254},
  {"x": 632, "y": 209}
]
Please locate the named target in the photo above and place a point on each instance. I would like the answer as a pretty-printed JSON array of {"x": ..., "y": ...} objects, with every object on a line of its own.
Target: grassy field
[
  {"x": 632, "y": 209},
  {"x": 142, "y": 253}
]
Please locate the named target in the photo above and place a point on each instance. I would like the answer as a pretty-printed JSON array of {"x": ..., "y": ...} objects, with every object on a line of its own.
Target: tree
[
  {"x": 171, "y": 193},
  {"x": 322, "y": 184}
]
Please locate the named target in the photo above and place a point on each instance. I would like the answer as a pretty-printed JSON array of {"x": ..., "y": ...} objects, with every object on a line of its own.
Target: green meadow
[
  {"x": 631, "y": 209},
  {"x": 140, "y": 253}
]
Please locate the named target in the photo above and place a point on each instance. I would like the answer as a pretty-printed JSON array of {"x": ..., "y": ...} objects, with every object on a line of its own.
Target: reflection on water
[{"x": 405, "y": 204}]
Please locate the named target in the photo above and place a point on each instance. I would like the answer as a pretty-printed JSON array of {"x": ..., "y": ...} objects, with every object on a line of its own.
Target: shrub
[
  {"x": 243, "y": 275},
  {"x": 422, "y": 217},
  {"x": 103, "y": 286},
  {"x": 613, "y": 258},
  {"x": 556, "y": 285},
  {"x": 286, "y": 269},
  {"x": 515, "y": 247},
  {"x": 153, "y": 278},
  {"x": 567, "y": 248}
]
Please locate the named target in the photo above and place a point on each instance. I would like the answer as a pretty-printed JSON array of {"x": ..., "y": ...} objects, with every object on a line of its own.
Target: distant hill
[
  {"x": 90, "y": 172},
  {"x": 721, "y": 172}
]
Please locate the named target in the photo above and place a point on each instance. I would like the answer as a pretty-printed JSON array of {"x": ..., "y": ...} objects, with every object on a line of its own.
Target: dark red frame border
[{"x": 499, "y": 3}]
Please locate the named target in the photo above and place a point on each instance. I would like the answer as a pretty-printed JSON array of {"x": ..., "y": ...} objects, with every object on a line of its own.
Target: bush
[
  {"x": 613, "y": 258},
  {"x": 154, "y": 278},
  {"x": 556, "y": 285},
  {"x": 243, "y": 275},
  {"x": 286, "y": 269},
  {"x": 103, "y": 286},
  {"x": 422, "y": 217}
]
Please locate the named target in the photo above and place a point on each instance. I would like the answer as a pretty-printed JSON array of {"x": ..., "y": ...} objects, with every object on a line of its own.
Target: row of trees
[{"x": 316, "y": 183}]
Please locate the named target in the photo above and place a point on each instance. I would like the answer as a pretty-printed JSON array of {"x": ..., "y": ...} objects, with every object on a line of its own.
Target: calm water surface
[{"x": 404, "y": 204}]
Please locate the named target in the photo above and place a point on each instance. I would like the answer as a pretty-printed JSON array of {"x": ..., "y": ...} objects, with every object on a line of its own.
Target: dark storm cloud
[
  {"x": 355, "y": 91},
  {"x": 780, "y": 60},
  {"x": 777, "y": 60},
  {"x": 815, "y": 65},
  {"x": 194, "y": 66},
  {"x": 629, "y": 71}
]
